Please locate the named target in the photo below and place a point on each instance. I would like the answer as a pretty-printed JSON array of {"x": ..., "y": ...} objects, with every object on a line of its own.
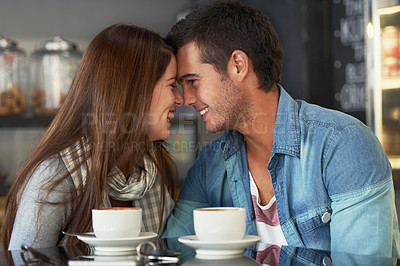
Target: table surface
[{"x": 273, "y": 255}]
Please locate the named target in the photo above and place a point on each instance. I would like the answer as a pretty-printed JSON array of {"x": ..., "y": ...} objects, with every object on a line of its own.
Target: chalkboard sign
[{"x": 348, "y": 59}]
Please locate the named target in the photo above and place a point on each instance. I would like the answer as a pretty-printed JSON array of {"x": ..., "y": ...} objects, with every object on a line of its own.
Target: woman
[{"x": 104, "y": 147}]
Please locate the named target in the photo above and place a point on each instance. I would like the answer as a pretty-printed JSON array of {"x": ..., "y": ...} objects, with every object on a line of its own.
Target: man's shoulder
[
  {"x": 316, "y": 115},
  {"x": 210, "y": 162}
]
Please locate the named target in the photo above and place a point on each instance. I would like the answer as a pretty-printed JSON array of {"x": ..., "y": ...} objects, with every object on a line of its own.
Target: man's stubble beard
[{"x": 230, "y": 111}]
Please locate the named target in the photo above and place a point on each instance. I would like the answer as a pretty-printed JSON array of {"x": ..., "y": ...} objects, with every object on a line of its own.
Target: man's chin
[{"x": 213, "y": 128}]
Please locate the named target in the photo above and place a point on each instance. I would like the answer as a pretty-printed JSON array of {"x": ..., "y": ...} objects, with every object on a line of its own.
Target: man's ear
[{"x": 238, "y": 65}]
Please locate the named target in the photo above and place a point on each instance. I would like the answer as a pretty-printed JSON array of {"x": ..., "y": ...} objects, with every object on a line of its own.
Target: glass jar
[
  {"x": 13, "y": 77},
  {"x": 53, "y": 66}
]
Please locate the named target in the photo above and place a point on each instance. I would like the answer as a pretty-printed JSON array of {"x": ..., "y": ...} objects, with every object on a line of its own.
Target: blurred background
[{"x": 341, "y": 54}]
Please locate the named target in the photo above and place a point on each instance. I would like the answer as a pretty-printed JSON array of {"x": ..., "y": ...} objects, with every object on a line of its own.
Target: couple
[{"x": 307, "y": 176}]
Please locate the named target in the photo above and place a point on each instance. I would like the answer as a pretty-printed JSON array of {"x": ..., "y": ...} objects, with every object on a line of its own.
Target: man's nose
[
  {"x": 178, "y": 97},
  {"x": 189, "y": 97}
]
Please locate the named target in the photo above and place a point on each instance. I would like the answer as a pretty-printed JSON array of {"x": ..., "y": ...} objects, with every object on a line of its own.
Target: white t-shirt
[
  {"x": 268, "y": 228},
  {"x": 267, "y": 221}
]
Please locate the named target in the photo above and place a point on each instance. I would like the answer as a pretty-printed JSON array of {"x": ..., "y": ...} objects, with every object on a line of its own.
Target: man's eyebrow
[{"x": 186, "y": 76}]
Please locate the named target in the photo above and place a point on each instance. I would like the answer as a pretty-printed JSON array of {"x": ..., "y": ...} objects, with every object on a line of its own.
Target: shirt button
[
  {"x": 326, "y": 217},
  {"x": 326, "y": 261}
]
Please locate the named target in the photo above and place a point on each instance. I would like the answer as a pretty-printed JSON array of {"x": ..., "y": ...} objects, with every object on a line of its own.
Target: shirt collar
[
  {"x": 231, "y": 141},
  {"x": 287, "y": 126}
]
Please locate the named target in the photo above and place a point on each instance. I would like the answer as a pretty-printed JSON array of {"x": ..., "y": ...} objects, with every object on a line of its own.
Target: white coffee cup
[
  {"x": 219, "y": 224},
  {"x": 118, "y": 222}
]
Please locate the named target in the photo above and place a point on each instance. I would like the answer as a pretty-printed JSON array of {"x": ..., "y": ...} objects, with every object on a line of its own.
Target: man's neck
[
  {"x": 259, "y": 138},
  {"x": 259, "y": 130}
]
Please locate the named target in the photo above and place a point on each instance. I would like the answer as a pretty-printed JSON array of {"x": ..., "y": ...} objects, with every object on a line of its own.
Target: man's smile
[{"x": 204, "y": 111}]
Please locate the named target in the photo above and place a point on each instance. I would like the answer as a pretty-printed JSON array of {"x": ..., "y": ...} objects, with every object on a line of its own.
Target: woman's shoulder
[
  {"x": 51, "y": 169},
  {"x": 52, "y": 176}
]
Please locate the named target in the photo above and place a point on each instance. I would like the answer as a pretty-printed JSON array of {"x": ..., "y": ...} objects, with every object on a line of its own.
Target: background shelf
[
  {"x": 389, "y": 84},
  {"x": 15, "y": 121}
]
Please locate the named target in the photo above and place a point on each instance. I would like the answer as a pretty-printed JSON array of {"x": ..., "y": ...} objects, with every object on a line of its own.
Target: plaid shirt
[{"x": 151, "y": 208}]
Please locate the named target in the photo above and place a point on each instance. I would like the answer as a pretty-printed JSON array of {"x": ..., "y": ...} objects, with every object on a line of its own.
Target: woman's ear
[{"x": 238, "y": 65}]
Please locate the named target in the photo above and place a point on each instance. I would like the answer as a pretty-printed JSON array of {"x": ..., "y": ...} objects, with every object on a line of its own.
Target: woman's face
[{"x": 166, "y": 97}]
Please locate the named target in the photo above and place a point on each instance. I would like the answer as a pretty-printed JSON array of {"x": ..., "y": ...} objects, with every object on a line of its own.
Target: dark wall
[
  {"x": 348, "y": 54},
  {"x": 303, "y": 29}
]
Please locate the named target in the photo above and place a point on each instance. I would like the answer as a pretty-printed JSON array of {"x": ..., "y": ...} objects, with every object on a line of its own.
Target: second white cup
[
  {"x": 219, "y": 224},
  {"x": 117, "y": 222}
]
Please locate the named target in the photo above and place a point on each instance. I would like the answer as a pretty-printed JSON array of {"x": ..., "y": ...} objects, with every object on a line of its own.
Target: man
[{"x": 307, "y": 176}]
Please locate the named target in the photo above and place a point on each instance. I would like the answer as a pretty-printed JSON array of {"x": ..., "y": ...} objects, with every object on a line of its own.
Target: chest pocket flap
[{"x": 314, "y": 219}]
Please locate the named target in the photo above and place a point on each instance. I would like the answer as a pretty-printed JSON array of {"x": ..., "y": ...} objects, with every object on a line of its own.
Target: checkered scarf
[{"x": 142, "y": 187}]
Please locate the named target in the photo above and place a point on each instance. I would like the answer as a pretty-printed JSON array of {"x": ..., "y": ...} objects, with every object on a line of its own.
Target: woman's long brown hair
[{"x": 106, "y": 106}]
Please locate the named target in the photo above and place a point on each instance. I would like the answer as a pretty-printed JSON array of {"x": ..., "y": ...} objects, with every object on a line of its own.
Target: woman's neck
[{"x": 124, "y": 163}]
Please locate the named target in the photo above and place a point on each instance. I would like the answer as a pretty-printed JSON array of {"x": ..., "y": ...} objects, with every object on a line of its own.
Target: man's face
[{"x": 218, "y": 100}]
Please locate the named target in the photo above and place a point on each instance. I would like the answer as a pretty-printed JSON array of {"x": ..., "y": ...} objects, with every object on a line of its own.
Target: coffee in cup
[
  {"x": 219, "y": 224},
  {"x": 118, "y": 222}
]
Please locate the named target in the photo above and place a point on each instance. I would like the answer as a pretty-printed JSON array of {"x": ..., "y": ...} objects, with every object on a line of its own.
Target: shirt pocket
[
  {"x": 314, "y": 228},
  {"x": 321, "y": 218}
]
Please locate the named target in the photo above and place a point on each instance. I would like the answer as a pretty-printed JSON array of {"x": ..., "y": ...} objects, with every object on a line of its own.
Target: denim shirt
[{"x": 332, "y": 181}]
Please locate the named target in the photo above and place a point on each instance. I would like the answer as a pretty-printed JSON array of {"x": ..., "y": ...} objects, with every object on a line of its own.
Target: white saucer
[
  {"x": 219, "y": 250},
  {"x": 116, "y": 246},
  {"x": 105, "y": 260}
]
